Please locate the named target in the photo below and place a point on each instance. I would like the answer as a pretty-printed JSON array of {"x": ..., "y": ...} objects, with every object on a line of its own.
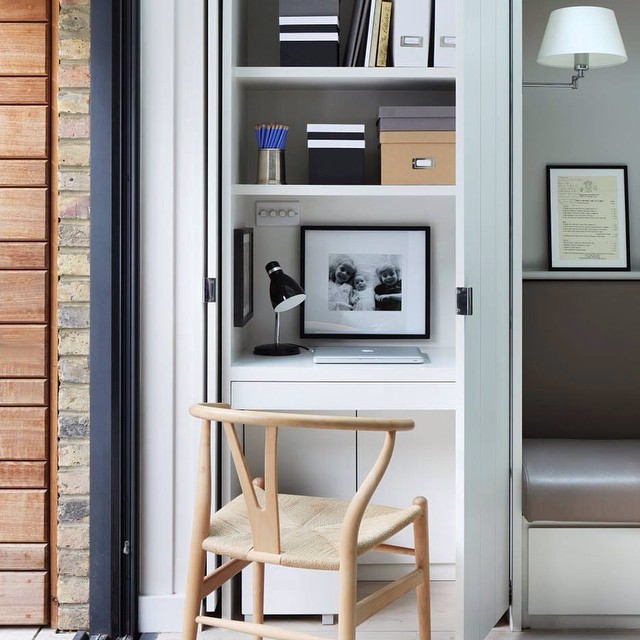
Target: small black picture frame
[
  {"x": 588, "y": 218},
  {"x": 242, "y": 276},
  {"x": 388, "y": 293}
]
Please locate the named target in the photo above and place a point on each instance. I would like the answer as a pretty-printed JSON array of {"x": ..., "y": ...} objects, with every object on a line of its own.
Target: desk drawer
[{"x": 314, "y": 396}]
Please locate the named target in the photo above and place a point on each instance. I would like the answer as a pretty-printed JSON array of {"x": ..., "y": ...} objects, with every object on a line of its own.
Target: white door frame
[{"x": 173, "y": 329}]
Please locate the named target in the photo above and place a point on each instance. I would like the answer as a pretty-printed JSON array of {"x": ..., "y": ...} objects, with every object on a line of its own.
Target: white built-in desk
[{"x": 296, "y": 382}]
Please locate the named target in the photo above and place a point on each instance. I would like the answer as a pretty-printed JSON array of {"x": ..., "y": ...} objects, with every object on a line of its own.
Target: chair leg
[
  {"x": 423, "y": 592},
  {"x": 258, "y": 594},
  {"x": 348, "y": 599},
  {"x": 193, "y": 594}
]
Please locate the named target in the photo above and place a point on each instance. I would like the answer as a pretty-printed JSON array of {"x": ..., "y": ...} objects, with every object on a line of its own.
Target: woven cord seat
[
  {"x": 310, "y": 529},
  {"x": 262, "y": 526}
]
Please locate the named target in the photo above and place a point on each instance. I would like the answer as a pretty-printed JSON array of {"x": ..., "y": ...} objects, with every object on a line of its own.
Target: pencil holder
[{"x": 271, "y": 168}]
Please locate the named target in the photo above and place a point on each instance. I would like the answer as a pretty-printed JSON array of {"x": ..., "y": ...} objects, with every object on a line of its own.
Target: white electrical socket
[{"x": 279, "y": 213}]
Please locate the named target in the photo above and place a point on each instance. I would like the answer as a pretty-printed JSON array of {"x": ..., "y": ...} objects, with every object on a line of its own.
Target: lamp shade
[
  {"x": 284, "y": 291},
  {"x": 582, "y": 30}
]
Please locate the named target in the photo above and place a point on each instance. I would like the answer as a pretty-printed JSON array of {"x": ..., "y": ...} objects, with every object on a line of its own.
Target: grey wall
[{"x": 597, "y": 124}]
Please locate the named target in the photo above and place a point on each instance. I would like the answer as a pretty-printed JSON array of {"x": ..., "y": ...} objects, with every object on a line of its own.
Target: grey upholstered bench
[{"x": 581, "y": 480}]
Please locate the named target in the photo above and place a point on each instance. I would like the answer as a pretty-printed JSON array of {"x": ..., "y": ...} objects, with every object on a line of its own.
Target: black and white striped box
[
  {"x": 309, "y": 33},
  {"x": 336, "y": 153}
]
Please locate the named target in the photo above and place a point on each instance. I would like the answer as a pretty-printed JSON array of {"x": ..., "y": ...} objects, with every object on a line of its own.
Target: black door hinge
[
  {"x": 209, "y": 290},
  {"x": 464, "y": 301}
]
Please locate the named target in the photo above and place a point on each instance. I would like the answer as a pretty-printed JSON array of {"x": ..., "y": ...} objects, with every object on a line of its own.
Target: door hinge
[
  {"x": 209, "y": 290},
  {"x": 464, "y": 301}
]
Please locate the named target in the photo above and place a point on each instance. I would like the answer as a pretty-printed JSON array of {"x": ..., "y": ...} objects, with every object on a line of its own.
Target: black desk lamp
[{"x": 285, "y": 294}]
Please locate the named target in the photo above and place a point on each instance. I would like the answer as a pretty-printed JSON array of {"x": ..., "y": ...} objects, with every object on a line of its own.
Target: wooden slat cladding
[
  {"x": 23, "y": 475},
  {"x": 23, "y": 351},
  {"x": 23, "y": 557},
  {"x": 23, "y": 597},
  {"x": 27, "y": 509},
  {"x": 23, "y": 10},
  {"x": 23, "y": 173},
  {"x": 17, "y": 391},
  {"x": 23, "y": 296},
  {"x": 23, "y": 91},
  {"x": 23, "y": 132},
  {"x": 24, "y": 255},
  {"x": 23, "y": 49},
  {"x": 23, "y": 214},
  {"x": 23, "y": 433}
]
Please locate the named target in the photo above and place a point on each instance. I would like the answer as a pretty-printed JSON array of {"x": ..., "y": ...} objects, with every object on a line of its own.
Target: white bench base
[{"x": 581, "y": 576}]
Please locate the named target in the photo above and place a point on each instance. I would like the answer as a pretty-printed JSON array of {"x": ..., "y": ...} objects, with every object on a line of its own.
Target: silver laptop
[{"x": 369, "y": 355}]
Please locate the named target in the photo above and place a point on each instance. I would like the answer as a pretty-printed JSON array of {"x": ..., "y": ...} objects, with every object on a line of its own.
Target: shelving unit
[
  {"x": 296, "y": 97},
  {"x": 255, "y": 89}
]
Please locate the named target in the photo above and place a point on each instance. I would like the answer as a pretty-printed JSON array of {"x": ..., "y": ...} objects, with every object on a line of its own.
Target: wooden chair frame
[{"x": 265, "y": 527}]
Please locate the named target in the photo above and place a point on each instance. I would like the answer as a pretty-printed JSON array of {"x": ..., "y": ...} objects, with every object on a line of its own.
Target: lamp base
[{"x": 276, "y": 349}]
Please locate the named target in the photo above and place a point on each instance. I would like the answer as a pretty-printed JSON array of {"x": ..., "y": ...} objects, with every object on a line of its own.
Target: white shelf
[
  {"x": 359, "y": 191},
  {"x": 581, "y": 275},
  {"x": 301, "y": 368},
  {"x": 343, "y": 77}
]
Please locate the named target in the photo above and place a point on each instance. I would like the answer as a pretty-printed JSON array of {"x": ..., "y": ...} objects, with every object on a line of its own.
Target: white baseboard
[
  {"x": 583, "y": 622},
  {"x": 160, "y": 613}
]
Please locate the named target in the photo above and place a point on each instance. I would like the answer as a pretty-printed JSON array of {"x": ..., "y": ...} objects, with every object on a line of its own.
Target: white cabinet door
[
  {"x": 483, "y": 339},
  {"x": 423, "y": 464}
]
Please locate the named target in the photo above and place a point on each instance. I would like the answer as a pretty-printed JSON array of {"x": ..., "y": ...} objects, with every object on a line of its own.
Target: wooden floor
[{"x": 399, "y": 622}]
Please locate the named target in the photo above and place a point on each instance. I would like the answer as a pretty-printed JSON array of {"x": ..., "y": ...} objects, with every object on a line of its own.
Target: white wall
[
  {"x": 173, "y": 315},
  {"x": 596, "y": 124}
]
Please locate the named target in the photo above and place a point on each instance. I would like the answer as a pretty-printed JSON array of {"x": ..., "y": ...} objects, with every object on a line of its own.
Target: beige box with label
[{"x": 417, "y": 157}]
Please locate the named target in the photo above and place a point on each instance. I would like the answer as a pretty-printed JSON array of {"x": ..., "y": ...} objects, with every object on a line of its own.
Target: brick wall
[{"x": 73, "y": 315}]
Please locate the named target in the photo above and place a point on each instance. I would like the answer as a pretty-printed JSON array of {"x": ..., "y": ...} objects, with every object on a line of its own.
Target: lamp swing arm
[{"x": 573, "y": 84}]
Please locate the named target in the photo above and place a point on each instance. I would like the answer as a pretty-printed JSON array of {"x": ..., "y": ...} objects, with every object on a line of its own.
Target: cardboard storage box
[
  {"x": 417, "y": 157},
  {"x": 336, "y": 153},
  {"x": 417, "y": 118},
  {"x": 309, "y": 33}
]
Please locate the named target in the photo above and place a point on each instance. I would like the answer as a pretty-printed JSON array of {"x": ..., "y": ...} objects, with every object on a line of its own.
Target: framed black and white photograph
[
  {"x": 243, "y": 276},
  {"x": 365, "y": 282},
  {"x": 588, "y": 220}
]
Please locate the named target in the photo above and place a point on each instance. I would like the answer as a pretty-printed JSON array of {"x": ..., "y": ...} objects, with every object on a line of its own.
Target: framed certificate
[{"x": 588, "y": 218}]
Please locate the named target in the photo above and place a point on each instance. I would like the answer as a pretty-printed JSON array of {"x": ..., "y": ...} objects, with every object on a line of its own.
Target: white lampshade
[{"x": 580, "y": 30}]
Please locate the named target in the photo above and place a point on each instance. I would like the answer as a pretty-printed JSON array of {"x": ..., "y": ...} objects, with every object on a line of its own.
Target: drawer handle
[
  {"x": 448, "y": 41},
  {"x": 411, "y": 41},
  {"x": 423, "y": 163}
]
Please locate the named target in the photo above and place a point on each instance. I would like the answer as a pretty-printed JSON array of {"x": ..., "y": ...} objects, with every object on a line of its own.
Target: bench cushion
[{"x": 581, "y": 480}]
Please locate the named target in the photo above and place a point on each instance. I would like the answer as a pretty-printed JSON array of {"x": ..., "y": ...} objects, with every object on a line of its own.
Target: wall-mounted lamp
[
  {"x": 285, "y": 294},
  {"x": 580, "y": 38}
]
